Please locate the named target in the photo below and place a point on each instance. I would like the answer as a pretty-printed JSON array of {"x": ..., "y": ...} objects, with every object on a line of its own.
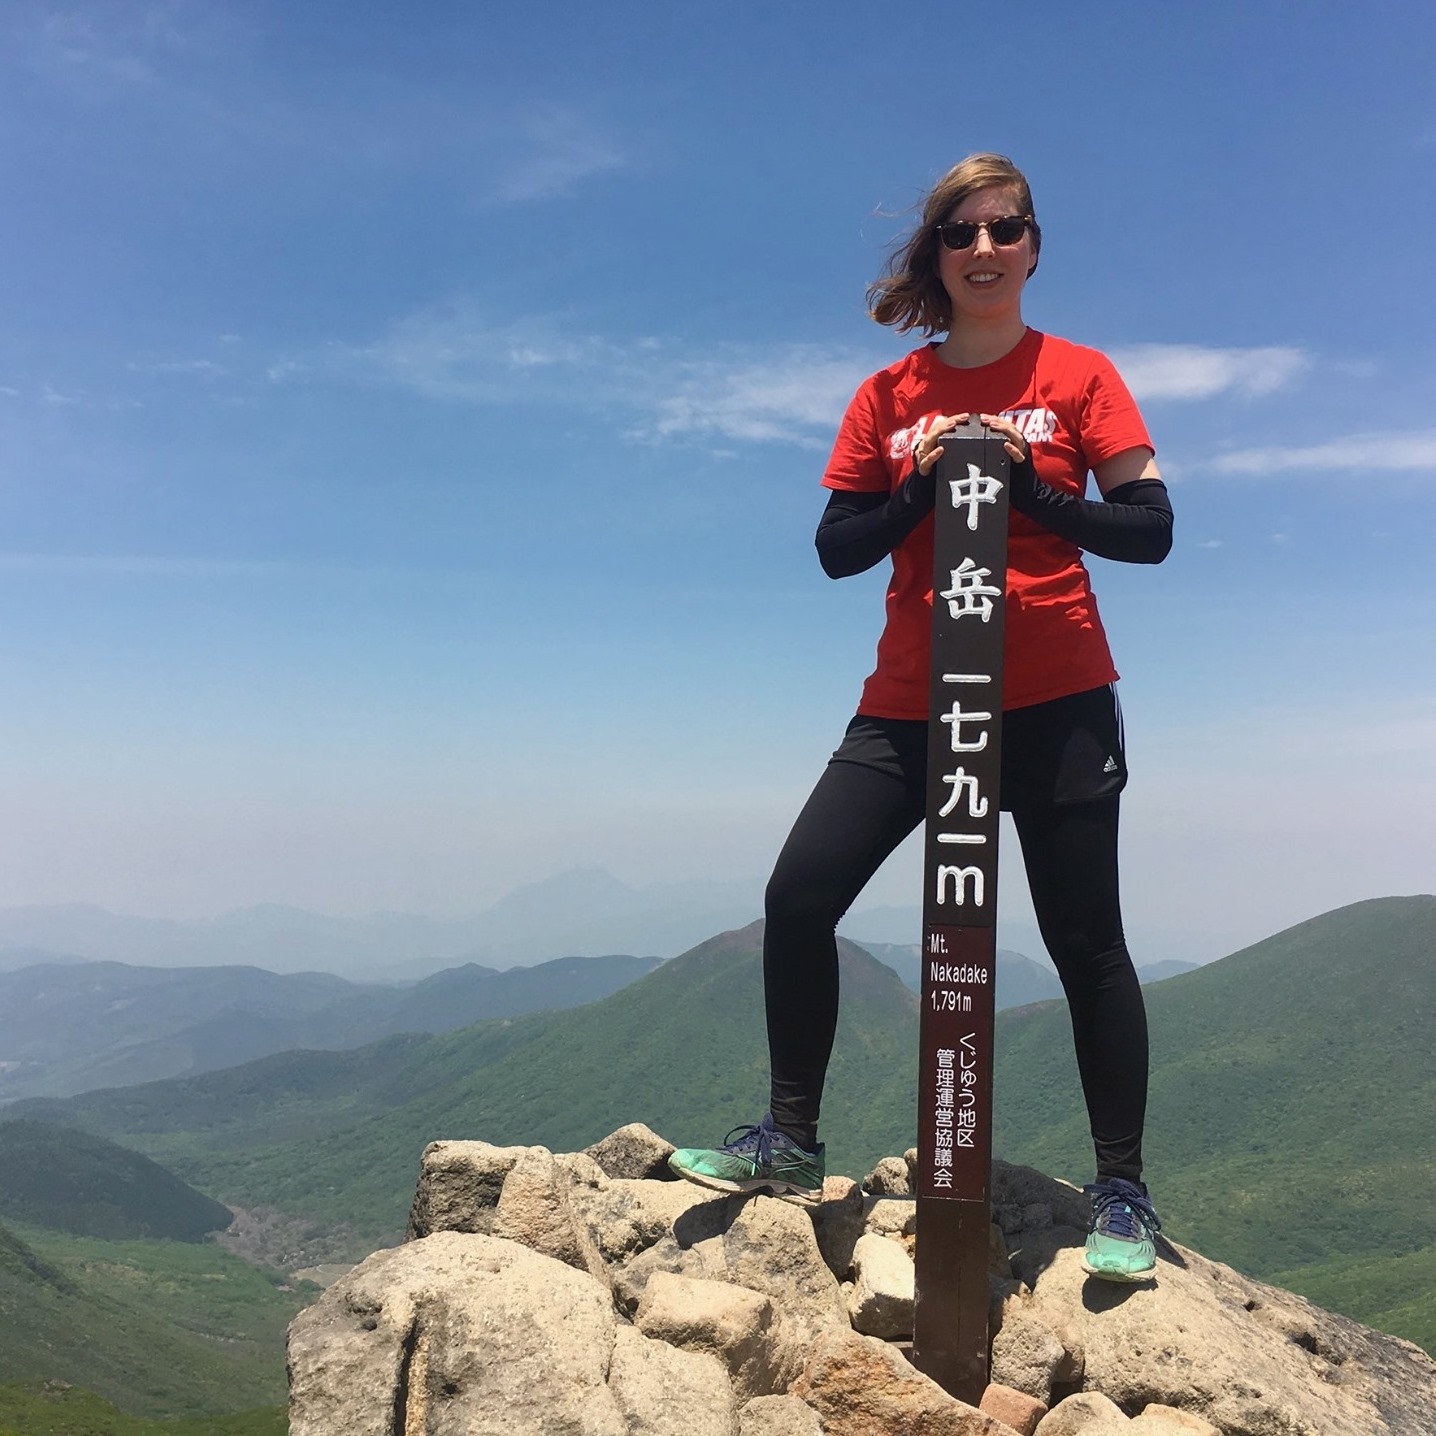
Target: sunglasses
[{"x": 1002, "y": 232}]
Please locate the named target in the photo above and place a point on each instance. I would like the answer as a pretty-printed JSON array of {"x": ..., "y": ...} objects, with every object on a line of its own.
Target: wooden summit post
[{"x": 959, "y": 946}]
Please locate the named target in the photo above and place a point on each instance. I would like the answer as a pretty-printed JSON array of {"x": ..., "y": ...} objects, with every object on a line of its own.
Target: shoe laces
[
  {"x": 755, "y": 1142},
  {"x": 1121, "y": 1209}
]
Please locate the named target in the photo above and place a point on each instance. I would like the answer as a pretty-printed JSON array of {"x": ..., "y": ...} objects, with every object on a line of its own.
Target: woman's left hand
[{"x": 1014, "y": 443}]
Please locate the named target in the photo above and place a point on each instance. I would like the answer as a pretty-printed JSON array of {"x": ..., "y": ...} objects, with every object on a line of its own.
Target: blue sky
[{"x": 411, "y": 421}]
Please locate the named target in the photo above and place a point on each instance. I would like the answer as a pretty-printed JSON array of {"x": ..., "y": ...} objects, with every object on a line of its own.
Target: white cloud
[
  {"x": 789, "y": 393},
  {"x": 554, "y": 149},
  {"x": 204, "y": 368},
  {"x": 1414, "y": 451},
  {"x": 1191, "y": 371},
  {"x": 796, "y": 395}
]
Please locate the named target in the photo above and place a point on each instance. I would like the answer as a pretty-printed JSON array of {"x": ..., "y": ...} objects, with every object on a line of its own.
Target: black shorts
[{"x": 1067, "y": 750}]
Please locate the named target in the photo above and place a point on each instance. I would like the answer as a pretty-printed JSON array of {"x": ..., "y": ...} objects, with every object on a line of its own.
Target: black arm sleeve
[
  {"x": 1133, "y": 523},
  {"x": 859, "y": 529}
]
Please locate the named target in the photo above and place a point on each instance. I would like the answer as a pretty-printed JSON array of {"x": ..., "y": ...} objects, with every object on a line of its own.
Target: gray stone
[
  {"x": 838, "y": 1223},
  {"x": 860, "y": 1386},
  {"x": 742, "y": 1328},
  {"x": 459, "y": 1186},
  {"x": 888, "y": 1179},
  {"x": 1088, "y": 1413},
  {"x": 1159, "y": 1420},
  {"x": 881, "y": 1303},
  {"x": 890, "y": 1216},
  {"x": 1026, "y": 1354},
  {"x": 662, "y": 1391},
  {"x": 534, "y": 1208},
  {"x": 455, "y": 1333},
  {"x": 778, "y": 1416},
  {"x": 1248, "y": 1358},
  {"x": 636, "y": 1152}
]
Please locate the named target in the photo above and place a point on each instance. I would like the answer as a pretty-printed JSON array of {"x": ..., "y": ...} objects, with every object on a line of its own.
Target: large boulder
[
  {"x": 663, "y": 1391},
  {"x": 459, "y": 1186},
  {"x": 744, "y": 1329},
  {"x": 456, "y": 1333},
  {"x": 881, "y": 1300},
  {"x": 1200, "y": 1338},
  {"x": 634, "y": 1151},
  {"x": 535, "y": 1209},
  {"x": 860, "y": 1386}
]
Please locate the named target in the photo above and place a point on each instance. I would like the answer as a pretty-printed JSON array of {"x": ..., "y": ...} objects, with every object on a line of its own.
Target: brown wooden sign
[{"x": 959, "y": 949}]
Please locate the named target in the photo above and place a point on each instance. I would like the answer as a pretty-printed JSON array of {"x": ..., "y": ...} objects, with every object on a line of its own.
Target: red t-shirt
[{"x": 1075, "y": 412}]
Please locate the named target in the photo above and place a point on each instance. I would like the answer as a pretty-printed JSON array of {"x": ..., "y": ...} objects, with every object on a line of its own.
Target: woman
[{"x": 1063, "y": 411}]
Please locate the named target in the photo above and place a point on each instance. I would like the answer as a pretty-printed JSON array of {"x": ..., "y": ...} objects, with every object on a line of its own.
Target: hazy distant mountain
[
  {"x": 585, "y": 912},
  {"x": 80, "y": 1026}
]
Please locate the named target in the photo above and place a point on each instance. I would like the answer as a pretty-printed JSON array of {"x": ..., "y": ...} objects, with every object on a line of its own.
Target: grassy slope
[
  {"x": 55, "y": 1409},
  {"x": 160, "y": 1328},
  {"x": 75, "y": 1182}
]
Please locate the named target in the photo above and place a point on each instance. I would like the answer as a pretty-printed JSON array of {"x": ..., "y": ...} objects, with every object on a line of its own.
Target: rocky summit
[{"x": 589, "y": 1294}]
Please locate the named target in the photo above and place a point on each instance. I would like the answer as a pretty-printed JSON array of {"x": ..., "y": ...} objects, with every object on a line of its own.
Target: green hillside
[
  {"x": 71, "y": 1181},
  {"x": 338, "y": 1136},
  {"x": 1292, "y": 1111},
  {"x": 161, "y": 1329},
  {"x": 56, "y": 1408}
]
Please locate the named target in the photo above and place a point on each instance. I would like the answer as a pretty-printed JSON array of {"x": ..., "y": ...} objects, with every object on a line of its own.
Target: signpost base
[{"x": 950, "y": 1325}]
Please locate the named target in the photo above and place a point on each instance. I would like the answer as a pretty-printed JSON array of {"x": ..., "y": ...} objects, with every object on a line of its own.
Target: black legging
[{"x": 854, "y": 819}]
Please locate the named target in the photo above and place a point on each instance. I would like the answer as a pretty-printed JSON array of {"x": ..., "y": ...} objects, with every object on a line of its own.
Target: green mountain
[
  {"x": 162, "y": 1329},
  {"x": 72, "y": 1027},
  {"x": 71, "y": 1181}
]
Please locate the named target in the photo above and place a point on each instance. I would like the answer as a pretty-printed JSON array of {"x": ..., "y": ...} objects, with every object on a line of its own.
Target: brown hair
[{"x": 909, "y": 293}]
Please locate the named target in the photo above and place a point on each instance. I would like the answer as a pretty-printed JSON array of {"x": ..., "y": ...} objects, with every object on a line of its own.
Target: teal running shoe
[
  {"x": 1121, "y": 1245},
  {"x": 756, "y": 1159}
]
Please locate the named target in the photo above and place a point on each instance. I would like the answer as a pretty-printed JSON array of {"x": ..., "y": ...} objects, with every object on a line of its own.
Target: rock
[
  {"x": 1026, "y": 1354},
  {"x": 778, "y": 1416},
  {"x": 890, "y": 1216},
  {"x": 627, "y": 1216},
  {"x": 769, "y": 1245},
  {"x": 888, "y": 1179},
  {"x": 881, "y": 1303},
  {"x": 535, "y": 1209},
  {"x": 662, "y": 1391},
  {"x": 455, "y": 1332},
  {"x": 459, "y": 1186},
  {"x": 742, "y": 1328},
  {"x": 1088, "y": 1413},
  {"x": 1016, "y": 1408},
  {"x": 860, "y": 1386},
  {"x": 757, "y": 1242},
  {"x": 1247, "y": 1358},
  {"x": 1022, "y": 1192},
  {"x": 634, "y": 1151},
  {"x": 838, "y": 1223},
  {"x": 910, "y": 1157},
  {"x": 1159, "y": 1420}
]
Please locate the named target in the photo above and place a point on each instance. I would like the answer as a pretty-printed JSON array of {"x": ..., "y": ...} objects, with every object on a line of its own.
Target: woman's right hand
[{"x": 927, "y": 451}]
